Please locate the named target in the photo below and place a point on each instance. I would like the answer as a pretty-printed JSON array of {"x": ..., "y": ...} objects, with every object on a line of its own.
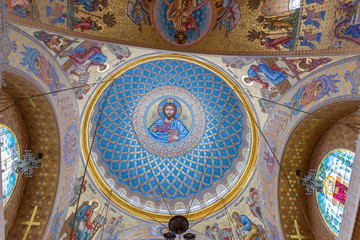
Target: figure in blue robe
[
  {"x": 83, "y": 215},
  {"x": 308, "y": 43},
  {"x": 89, "y": 5},
  {"x": 353, "y": 30},
  {"x": 310, "y": 21},
  {"x": 163, "y": 136},
  {"x": 315, "y": 1},
  {"x": 243, "y": 223},
  {"x": 272, "y": 75}
]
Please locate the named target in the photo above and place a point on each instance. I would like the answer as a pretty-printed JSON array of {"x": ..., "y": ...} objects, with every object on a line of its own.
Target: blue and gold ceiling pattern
[{"x": 142, "y": 150}]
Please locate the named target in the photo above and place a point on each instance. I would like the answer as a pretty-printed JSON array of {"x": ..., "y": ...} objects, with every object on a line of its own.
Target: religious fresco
[
  {"x": 269, "y": 78},
  {"x": 119, "y": 224},
  {"x": 59, "y": 45},
  {"x": 27, "y": 57},
  {"x": 173, "y": 114},
  {"x": 241, "y": 220},
  {"x": 347, "y": 21},
  {"x": 37, "y": 64},
  {"x": 335, "y": 172},
  {"x": 334, "y": 81},
  {"x": 245, "y": 228},
  {"x": 85, "y": 222},
  {"x": 225, "y": 26},
  {"x": 328, "y": 25},
  {"x": 79, "y": 58},
  {"x": 322, "y": 86},
  {"x": 183, "y": 23},
  {"x": 88, "y": 58},
  {"x": 90, "y": 216}
]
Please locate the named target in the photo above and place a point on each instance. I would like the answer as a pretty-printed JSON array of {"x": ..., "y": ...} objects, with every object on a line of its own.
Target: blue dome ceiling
[{"x": 147, "y": 155}]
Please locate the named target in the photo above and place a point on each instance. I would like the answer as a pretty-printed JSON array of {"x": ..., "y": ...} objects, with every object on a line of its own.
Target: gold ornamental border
[{"x": 160, "y": 217}]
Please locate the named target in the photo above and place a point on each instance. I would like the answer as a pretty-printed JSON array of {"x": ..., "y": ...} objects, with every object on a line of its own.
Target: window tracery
[
  {"x": 334, "y": 171},
  {"x": 10, "y": 154}
]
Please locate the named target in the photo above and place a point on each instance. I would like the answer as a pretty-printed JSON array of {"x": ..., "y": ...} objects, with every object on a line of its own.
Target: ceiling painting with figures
[
  {"x": 209, "y": 109},
  {"x": 172, "y": 121},
  {"x": 252, "y": 27}
]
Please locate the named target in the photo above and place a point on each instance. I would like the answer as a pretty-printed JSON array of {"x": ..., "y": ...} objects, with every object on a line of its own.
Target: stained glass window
[
  {"x": 10, "y": 154},
  {"x": 294, "y": 4},
  {"x": 334, "y": 171}
]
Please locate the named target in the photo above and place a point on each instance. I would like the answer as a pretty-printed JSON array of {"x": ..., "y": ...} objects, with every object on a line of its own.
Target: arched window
[
  {"x": 294, "y": 4},
  {"x": 10, "y": 154},
  {"x": 334, "y": 171}
]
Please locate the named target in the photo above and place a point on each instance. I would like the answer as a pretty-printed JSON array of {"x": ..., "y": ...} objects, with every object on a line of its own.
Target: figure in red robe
[
  {"x": 83, "y": 221},
  {"x": 340, "y": 192},
  {"x": 273, "y": 43},
  {"x": 88, "y": 57}
]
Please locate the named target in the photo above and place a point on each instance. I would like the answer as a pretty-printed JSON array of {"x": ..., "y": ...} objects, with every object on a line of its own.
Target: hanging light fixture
[
  {"x": 312, "y": 185},
  {"x": 27, "y": 165},
  {"x": 169, "y": 236},
  {"x": 178, "y": 225},
  {"x": 189, "y": 236}
]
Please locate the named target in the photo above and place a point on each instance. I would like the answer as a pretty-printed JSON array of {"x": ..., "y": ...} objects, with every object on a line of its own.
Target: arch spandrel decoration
[
  {"x": 56, "y": 108},
  {"x": 296, "y": 156},
  {"x": 35, "y": 189},
  {"x": 251, "y": 137},
  {"x": 294, "y": 134}
]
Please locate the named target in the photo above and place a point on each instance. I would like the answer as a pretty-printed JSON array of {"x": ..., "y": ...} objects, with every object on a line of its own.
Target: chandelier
[
  {"x": 310, "y": 182},
  {"x": 27, "y": 165},
  {"x": 177, "y": 226}
]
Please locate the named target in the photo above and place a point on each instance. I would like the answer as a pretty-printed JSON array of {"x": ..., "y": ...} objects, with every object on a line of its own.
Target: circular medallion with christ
[
  {"x": 170, "y": 128},
  {"x": 169, "y": 121}
]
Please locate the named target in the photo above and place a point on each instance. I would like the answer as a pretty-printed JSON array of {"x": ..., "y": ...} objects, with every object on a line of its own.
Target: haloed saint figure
[{"x": 168, "y": 129}]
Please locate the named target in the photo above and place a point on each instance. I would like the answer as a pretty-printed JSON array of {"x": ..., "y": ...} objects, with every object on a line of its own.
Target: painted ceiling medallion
[
  {"x": 183, "y": 23},
  {"x": 167, "y": 128},
  {"x": 188, "y": 122}
]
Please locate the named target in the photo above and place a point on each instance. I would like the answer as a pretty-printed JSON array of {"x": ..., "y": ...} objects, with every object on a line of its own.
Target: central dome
[{"x": 169, "y": 134}]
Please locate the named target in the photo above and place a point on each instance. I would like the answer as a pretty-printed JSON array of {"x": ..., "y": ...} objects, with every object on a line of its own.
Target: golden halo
[
  {"x": 37, "y": 62},
  {"x": 106, "y": 68},
  {"x": 307, "y": 61},
  {"x": 243, "y": 80},
  {"x": 237, "y": 211},
  {"x": 326, "y": 180},
  {"x": 170, "y": 100},
  {"x": 97, "y": 201},
  {"x": 61, "y": 41},
  {"x": 316, "y": 87},
  {"x": 102, "y": 27}
]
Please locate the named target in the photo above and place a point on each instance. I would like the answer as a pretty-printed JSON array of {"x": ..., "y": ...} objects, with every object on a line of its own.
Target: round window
[
  {"x": 334, "y": 171},
  {"x": 10, "y": 154}
]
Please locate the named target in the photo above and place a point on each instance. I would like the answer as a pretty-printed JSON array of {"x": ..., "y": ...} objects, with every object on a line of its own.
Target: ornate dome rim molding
[{"x": 161, "y": 217}]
